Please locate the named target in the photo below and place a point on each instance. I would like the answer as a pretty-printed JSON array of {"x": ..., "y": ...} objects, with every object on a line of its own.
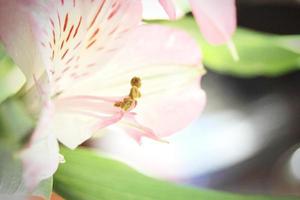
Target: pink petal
[
  {"x": 169, "y": 8},
  {"x": 170, "y": 69},
  {"x": 161, "y": 45},
  {"x": 168, "y": 62},
  {"x": 77, "y": 118},
  {"x": 41, "y": 157},
  {"x": 160, "y": 53},
  {"x": 217, "y": 19},
  {"x": 72, "y": 129},
  {"x": 168, "y": 112},
  {"x": 16, "y": 34},
  {"x": 136, "y": 130},
  {"x": 40, "y": 161}
]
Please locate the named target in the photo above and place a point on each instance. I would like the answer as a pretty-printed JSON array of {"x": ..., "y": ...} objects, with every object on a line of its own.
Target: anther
[
  {"x": 134, "y": 93},
  {"x": 118, "y": 104},
  {"x": 136, "y": 81},
  {"x": 130, "y": 101},
  {"x": 127, "y": 103}
]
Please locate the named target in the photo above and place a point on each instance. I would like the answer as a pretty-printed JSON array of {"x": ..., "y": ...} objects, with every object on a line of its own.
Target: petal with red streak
[
  {"x": 79, "y": 38},
  {"x": 168, "y": 62}
]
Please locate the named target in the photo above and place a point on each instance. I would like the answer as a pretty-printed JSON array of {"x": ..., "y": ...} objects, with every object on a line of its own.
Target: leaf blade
[
  {"x": 86, "y": 175},
  {"x": 11, "y": 77}
]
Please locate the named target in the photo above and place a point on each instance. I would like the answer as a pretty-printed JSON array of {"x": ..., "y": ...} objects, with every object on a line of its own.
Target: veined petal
[
  {"x": 169, "y": 8},
  {"x": 37, "y": 96},
  {"x": 157, "y": 60},
  {"x": 217, "y": 19},
  {"x": 172, "y": 110},
  {"x": 77, "y": 118},
  {"x": 78, "y": 37},
  {"x": 17, "y": 36},
  {"x": 170, "y": 69},
  {"x": 41, "y": 158},
  {"x": 136, "y": 130}
]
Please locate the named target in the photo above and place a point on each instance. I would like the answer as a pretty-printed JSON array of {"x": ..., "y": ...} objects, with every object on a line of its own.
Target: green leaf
[
  {"x": 15, "y": 122},
  {"x": 291, "y": 43},
  {"x": 11, "y": 78},
  {"x": 88, "y": 176},
  {"x": 13, "y": 125},
  {"x": 260, "y": 53}
]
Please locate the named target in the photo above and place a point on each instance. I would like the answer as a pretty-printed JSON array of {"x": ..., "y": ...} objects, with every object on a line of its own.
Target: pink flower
[
  {"x": 95, "y": 67},
  {"x": 217, "y": 19}
]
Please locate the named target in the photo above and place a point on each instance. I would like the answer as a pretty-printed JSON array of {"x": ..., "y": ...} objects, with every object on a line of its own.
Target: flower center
[{"x": 131, "y": 100}]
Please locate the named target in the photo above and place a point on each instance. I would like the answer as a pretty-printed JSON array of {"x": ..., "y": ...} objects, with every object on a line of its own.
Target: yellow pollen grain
[
  {"x": 134, "y": 92},
  {"x": 136, "y": 81}
]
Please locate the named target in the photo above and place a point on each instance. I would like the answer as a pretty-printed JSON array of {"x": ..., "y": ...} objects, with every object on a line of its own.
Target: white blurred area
[
  {"x": 295, "y": 165},
  {"x": 153, "y": 10},
  {"x": 219, "y": 139}
]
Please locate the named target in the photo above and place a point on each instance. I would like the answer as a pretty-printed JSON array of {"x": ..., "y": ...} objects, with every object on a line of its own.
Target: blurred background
[{"x": 248, "y": 139}]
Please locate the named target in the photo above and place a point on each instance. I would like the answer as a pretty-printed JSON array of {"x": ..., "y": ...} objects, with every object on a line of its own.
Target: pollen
[
  {"x": 131, "y": 100},
  {"x": 136, "y": 81},
  {"x": 134, "y": 93}
]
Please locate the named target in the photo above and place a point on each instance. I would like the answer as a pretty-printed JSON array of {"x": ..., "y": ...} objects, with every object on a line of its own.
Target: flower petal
[
  {"x": 169, "y": 8},
  {"x": 136, "y": 130},
  {"x": 217, "y": 19},
  {"x": 159, "y": 55},
  {"x": 77, "y": 118},
  {"x": 168, "y": 63},
  {"x": 41, "y": 158},
  {"x": 172, "y": 110},
  {"x": 78, "y": 37},
  {"x": 16, "y": 34}
]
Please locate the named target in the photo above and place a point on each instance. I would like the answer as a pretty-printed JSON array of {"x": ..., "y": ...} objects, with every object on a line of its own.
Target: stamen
[
  {"x": 136, "y": 81},
  {"x": 134, "y": 94}
]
